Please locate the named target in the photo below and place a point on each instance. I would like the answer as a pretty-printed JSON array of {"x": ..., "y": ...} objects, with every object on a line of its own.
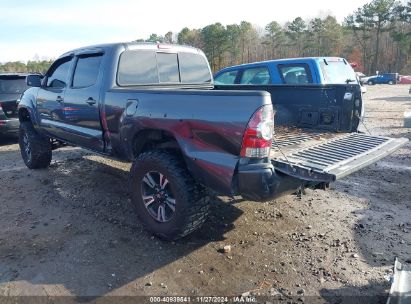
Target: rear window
[
  {"x": 337, "y": 72},
  {"x": 12, "y": 85},
  {"x": 141, "y": 67},
  {"x": 194, "y": 68},
  {"x": 295, "y": 73},
  {"x": 168, "y": 67},
  {"x": 87, "y": 70}
]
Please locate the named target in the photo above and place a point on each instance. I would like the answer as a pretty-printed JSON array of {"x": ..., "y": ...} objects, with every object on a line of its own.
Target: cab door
[
  {"x": 81, "y": 102},
  {"x": 50, "y": 98}
]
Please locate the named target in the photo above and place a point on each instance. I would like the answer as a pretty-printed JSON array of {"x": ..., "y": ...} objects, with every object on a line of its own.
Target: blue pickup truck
[{"x": 294, "y": 71}]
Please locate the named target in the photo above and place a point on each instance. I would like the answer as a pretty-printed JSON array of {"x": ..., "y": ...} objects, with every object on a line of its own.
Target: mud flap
[{"x": 335, "y": 158}]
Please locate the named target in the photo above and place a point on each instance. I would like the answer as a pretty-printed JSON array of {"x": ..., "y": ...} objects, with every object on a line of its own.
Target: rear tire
[
  {"x": 35, "y": 149},
  {"x": 159, "y": 178},
  {"x": 391, "y": 82}
]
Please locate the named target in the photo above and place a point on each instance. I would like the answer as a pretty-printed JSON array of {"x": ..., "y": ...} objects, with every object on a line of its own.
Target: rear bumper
[
  {"x": 261, "y": 182},
  {"x": 9, "y": 126},
  {"x": 319, "y": 164}
]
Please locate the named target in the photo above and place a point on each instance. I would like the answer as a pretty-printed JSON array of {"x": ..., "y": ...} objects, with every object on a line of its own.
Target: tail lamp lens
[{"x": 259, "y": 133}]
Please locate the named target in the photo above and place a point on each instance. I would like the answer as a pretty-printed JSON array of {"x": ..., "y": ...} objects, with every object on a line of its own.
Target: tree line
[
  {"x": 376, "y": 36},
  {"x": 34, "y": 66}
]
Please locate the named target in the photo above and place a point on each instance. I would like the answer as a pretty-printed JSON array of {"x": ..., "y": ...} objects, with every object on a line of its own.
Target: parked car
[
  {"x": 295, "y": 71},
  {"x": 405, "y": 79},
  {"x": 12, "y": 85},
  {"x": 386, "y": 78},
  {"x": 156, "y": 106}
]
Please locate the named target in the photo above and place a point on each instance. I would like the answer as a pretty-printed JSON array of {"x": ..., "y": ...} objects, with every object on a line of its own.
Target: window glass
[
  {"x": 193, "y": 68},
  {"x": 12, "y": 84},
  {"x": 86, "y": 72},
  {"x": 137, "y": 67},
  {"x": 255, "y": 76},
  {"x": 295, "y": 73},
  {"x": 168, "y": 67},
  {"x": 337, "y": 72},
  {"x": 226, "y": 77},
  {"x": 57, "y": 76},
  {"x": 147, "y": 67}
]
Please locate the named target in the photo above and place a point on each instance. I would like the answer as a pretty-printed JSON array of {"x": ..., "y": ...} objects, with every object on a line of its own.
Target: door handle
[
  {"x": 59, "y": 99},
  {"x": 91, "y": 101}
]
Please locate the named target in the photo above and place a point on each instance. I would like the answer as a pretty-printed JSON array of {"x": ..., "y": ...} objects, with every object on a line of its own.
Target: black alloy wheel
[{"x": 157, "y": 196}]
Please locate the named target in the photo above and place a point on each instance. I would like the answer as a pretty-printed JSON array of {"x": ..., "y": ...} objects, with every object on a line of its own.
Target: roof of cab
[
  {"x": 285, "y": 60},
  {"x": 135, "y": 46}
]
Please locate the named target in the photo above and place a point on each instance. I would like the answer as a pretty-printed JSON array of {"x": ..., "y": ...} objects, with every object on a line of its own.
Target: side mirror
[{"x": 33, "y": 80}]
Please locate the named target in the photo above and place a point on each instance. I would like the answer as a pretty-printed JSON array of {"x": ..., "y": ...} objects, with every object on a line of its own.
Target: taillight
[{"x": 258, "y": 136}]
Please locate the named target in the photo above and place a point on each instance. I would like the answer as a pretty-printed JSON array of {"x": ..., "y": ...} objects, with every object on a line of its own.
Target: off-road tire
[
  {"x": 40, "y": 147},
  {"x": 191, "y": 198}
]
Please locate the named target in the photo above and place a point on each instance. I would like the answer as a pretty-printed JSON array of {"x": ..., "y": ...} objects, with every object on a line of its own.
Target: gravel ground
[{"x": 71, "y": 230}]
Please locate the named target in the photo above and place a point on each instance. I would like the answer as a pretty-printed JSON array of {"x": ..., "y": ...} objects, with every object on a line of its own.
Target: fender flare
[{"x": 27, "y": 102}]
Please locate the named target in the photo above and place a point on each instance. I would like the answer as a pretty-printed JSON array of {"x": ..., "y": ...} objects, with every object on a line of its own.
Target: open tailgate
[{"x": 327, "y": 157}]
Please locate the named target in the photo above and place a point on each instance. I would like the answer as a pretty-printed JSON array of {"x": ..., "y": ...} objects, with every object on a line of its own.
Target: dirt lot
[{"x": 71, "y": 230}]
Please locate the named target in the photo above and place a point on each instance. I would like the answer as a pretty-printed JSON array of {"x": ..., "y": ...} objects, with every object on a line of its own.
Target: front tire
[
  {"x": 168, "y": 201},
  {"x": 34, "y": 148},
  {"x": 370, "y": 82}
]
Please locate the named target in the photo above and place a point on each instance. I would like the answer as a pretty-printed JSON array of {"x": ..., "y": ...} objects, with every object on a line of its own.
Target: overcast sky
[{"x": 49, "y": 28}]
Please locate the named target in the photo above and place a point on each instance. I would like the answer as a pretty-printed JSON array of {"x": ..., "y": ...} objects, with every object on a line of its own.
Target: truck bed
[
  {"x": 291, "y": 138},
  {"x": 325, "y": 156},
  {"x": 316, "y": 138}
]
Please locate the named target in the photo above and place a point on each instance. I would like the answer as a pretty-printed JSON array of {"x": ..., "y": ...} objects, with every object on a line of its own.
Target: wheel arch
[
  {"x": 148, "y": 139},
  {"x": 26, "y": 108},
  {"x": 24, "y": 114},
  {"x": 210, "y": 167}
]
